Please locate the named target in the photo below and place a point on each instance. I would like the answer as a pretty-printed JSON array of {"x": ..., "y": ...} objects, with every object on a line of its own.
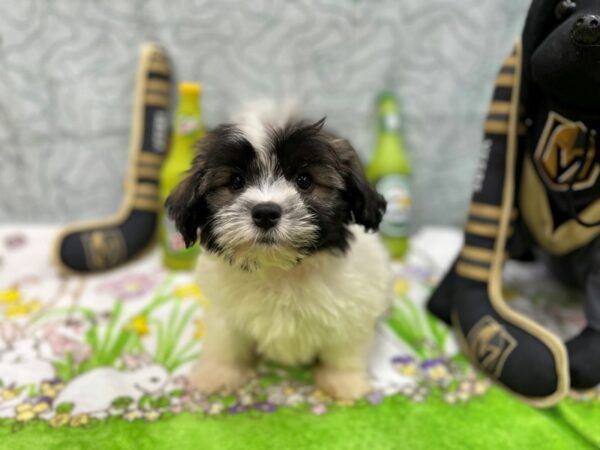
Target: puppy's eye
[
  {"x": 237, "y": 183},
  {"x": 564, "y": 9},
  {"x": 304, "y": 182}
]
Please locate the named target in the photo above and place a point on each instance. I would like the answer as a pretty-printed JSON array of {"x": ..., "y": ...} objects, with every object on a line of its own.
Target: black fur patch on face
[
  {"x": 339, "y": 193},
  {"x": 221, "y": 155}
]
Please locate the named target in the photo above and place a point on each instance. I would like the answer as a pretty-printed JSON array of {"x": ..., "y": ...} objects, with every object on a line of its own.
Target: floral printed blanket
[{"x": 106, "y": 357}]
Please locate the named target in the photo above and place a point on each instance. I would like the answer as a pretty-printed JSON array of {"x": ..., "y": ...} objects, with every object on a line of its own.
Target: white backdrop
[{"x": 67, "y": 70}]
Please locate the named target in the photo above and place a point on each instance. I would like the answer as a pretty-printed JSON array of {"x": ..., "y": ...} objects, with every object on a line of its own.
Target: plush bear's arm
[
  {"x": 495, "y": 181},
  {"x": 483, "y": 224},
  {"x": 513, "y": 350}
]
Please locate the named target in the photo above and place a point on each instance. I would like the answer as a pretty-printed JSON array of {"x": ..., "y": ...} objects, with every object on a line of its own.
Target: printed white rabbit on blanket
[
  {"x": 21, "y": 365},
  {"x": 94, "y": 392},
  {"x": 15, "y": 370},
  {"x": 21, "y": 362}
]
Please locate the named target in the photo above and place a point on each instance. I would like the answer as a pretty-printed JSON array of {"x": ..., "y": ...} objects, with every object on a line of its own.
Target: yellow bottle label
[{"x": 395, "y": 190}]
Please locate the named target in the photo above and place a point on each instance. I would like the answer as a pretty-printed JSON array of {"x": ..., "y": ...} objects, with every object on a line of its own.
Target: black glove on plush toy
[
  {"x": 538, "y": 192},
  {"x": 103, "y": 244}
]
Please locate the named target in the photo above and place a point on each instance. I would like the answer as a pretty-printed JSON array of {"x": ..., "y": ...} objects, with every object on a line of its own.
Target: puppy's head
[
  {"x": 261, "y": 194},
  {"x": 562, "y": 41}
]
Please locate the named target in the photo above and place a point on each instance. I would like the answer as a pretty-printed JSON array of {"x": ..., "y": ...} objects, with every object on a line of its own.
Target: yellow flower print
[
  {"x": 321, "y": 396},
  {"x": 199, "y": 329},
  {"x": 79, "y": 420},
  {"x": 438, "y": 372},
  {"x": 409, "y": 370},
  {"x": 406, "y": 365},
  {"x": 29, "y": 411},
  {"x": 9, "y": 394},
  {"x": 23, "y": 407},
  {"x": 139, "y": 325},
  {"x": 59, "y": 420},
  {"x": 187, "y": 290},
  {"x": 216, "y": 408},
  {"x": 151, "y": 416},
  {"x": 10, "y": 296},
  {"x": 289, "y": 391},
  {"x": 245, "y": 399},
  {"x": 345, "y": 403},
  {"x": 22, "y": 309},
  {"x": 132, "y": 415},
  {"x": 480, "y": 387},
  {"x": 51, "y": 390},
  {"x": 190, "y": 291},
  {"x": 15, "y": 305},
  {"x": 40, "y": 408},
  {"x": 25, "y": 416},
  {"x": 401, "y": 287}
]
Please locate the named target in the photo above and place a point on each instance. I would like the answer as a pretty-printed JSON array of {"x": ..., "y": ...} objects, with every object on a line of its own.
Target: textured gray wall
[{"x": 67, "y": 70}]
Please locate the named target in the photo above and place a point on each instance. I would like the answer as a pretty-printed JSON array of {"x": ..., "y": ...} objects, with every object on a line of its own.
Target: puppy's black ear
[
  {"x": 186, "y": 206},
  {"x": 366, "y": 205}
]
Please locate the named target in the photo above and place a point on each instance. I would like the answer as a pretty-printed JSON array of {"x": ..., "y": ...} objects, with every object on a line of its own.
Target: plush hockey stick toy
[
  {"x": 537, "y": 192},
  {"x": 103, "y": 244}
]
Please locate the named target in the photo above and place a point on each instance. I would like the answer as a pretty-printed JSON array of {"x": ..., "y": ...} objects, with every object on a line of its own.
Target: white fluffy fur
[{"x": 324, "y": 308}]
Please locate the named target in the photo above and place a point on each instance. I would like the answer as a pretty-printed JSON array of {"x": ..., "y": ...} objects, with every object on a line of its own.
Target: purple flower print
[
  {"x": 65, "y": 339},
  {"x": 15, "y": 241},
  {"x": 436, "y": 370},
  {"x": 266, "y": 407},
  {"x": 130, "y": 286},
  {"x": 375, "y": 397},
  {"x": 236, "y": 409}
]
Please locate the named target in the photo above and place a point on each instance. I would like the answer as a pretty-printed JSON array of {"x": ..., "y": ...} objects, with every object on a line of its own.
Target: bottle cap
[
  {"x": 187, "y": 87},
  {"x": 387, "y": 95}
]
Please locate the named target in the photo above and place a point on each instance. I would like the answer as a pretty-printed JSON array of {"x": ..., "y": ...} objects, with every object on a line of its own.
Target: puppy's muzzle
[{"x": 266, "y": 215}]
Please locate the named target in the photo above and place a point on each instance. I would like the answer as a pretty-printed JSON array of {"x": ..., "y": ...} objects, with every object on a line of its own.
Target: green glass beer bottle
[
  {"x": 188, "y": 129},
  {"x": 389, "y": 171}
]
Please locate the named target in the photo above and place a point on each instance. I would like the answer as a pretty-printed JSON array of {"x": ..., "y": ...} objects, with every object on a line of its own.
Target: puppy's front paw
[
  {"x": 211, "y": 377},
  {"x": 342, "y": 384}
]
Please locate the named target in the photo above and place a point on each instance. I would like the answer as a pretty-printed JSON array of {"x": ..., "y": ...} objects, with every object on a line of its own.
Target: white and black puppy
[{"x": 292, "y": 267}]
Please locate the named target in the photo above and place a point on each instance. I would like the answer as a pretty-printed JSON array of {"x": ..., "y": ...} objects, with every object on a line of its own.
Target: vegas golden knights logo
[
  {"x": 560, "y": 155},
  {"x": 490, "y": 344},
  {"x": 103, "y": 248}
]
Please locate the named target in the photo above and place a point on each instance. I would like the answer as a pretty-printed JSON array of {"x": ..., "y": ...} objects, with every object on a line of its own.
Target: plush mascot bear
[{"x": 537, "y": 193}]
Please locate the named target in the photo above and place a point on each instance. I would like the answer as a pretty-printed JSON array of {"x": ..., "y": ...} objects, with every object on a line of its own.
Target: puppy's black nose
[
  {"x": 586, "y": 30},
  {"x": 266, "y": 215}
]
